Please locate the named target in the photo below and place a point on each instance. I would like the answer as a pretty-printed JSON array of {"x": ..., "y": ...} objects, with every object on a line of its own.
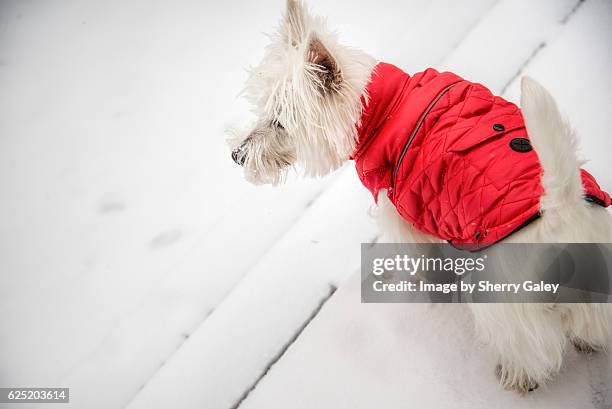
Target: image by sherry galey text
[
  {"x": 537, "y": 273},
  {"x": 484, "y": 286}
]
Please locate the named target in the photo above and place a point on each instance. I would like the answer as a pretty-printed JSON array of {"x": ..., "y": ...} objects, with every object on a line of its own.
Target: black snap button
[
  {"x": 498, "y": 127},
  {"x": 520, "y": 145}
]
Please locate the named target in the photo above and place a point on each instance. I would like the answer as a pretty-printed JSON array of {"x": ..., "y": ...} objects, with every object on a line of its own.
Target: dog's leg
[
  {"x": 589, "y": 326},
  {"x": 527, "y": 339}
]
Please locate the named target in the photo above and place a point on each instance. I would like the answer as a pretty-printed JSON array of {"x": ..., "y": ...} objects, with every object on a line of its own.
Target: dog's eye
[{"x": 278, "y": 125}]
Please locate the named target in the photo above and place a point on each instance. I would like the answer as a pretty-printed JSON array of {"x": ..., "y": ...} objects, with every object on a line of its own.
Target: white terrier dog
[{"x": 310, "y": 92}]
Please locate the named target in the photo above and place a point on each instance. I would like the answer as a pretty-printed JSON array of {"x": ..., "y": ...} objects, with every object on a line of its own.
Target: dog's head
[{"x": 306, "y": 94}]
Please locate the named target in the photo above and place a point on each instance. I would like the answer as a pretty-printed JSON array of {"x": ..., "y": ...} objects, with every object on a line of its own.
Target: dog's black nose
[{"x": 238, "y": 155}]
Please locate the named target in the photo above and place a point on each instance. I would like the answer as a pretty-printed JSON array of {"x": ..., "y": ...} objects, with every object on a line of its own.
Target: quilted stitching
[{"x": 459, "y": 176}]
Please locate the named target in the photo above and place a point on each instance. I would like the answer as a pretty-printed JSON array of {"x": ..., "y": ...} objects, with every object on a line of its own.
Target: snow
[
  {"x": 138, "y": 268},
  {"x": 574, "y": 67},
  {"x": 421, "y": 356},
  {"x": 118, "y": 189},
  {"x": 499, "y": 44},
  {"x": 275, "y": 298}
]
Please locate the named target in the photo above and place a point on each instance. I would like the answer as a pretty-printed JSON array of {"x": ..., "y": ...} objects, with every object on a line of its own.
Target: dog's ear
[
  {"x": 295, "y": 22},
  {"x": 326, "y": 66}
]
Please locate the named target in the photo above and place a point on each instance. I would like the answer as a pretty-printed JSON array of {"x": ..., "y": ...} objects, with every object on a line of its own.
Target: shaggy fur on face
[{"x": 306, "y": 93}]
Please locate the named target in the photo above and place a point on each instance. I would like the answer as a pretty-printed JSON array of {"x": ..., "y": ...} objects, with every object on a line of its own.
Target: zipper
[{"x": 416, "y": 129}]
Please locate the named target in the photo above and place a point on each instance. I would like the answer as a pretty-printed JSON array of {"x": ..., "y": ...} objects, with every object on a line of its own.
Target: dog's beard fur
[
  {"x": 307, "y": 94},
  {"x": 266, "y": 154}
]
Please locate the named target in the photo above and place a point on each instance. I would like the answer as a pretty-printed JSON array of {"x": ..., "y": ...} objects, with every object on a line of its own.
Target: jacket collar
[{"x": 378, "y": 102}]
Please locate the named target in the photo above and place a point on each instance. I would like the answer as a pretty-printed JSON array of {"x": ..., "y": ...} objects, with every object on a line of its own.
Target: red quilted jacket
[{"x": 454, "y": 158}]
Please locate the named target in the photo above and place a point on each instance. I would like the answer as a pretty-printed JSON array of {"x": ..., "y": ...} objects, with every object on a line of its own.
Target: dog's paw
[
  {"x": 513, "y": 381},
  {"x": 584, "y": 347}
]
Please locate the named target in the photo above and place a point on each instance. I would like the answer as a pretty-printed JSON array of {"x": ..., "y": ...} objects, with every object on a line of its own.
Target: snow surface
[
  {"x": 423, "y": 356},
  {"x": 139, "y": 269}
]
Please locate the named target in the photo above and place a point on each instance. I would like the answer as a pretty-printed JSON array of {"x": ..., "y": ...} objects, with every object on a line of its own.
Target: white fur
[
  {"x": 284, "y": 88},
  {"x": 530, "y": 339},
  {"x": 303, "y": 122}
]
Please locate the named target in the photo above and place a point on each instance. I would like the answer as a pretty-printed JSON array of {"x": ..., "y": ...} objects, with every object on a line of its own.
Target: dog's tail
[{"x": 555, "y": 143}]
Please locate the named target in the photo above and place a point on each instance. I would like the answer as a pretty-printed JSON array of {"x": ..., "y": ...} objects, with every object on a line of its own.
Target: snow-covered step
[
  {"x": 575, "y": 68},
  {"x": 413, "y": 34},
  {"x": 174, "y": 305},
  {"x": 513, "y": 30},
  {"x": 232, "y": 348},
  {"x": 417, "y": 356},
  {"x": 118, "y": 192}
]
